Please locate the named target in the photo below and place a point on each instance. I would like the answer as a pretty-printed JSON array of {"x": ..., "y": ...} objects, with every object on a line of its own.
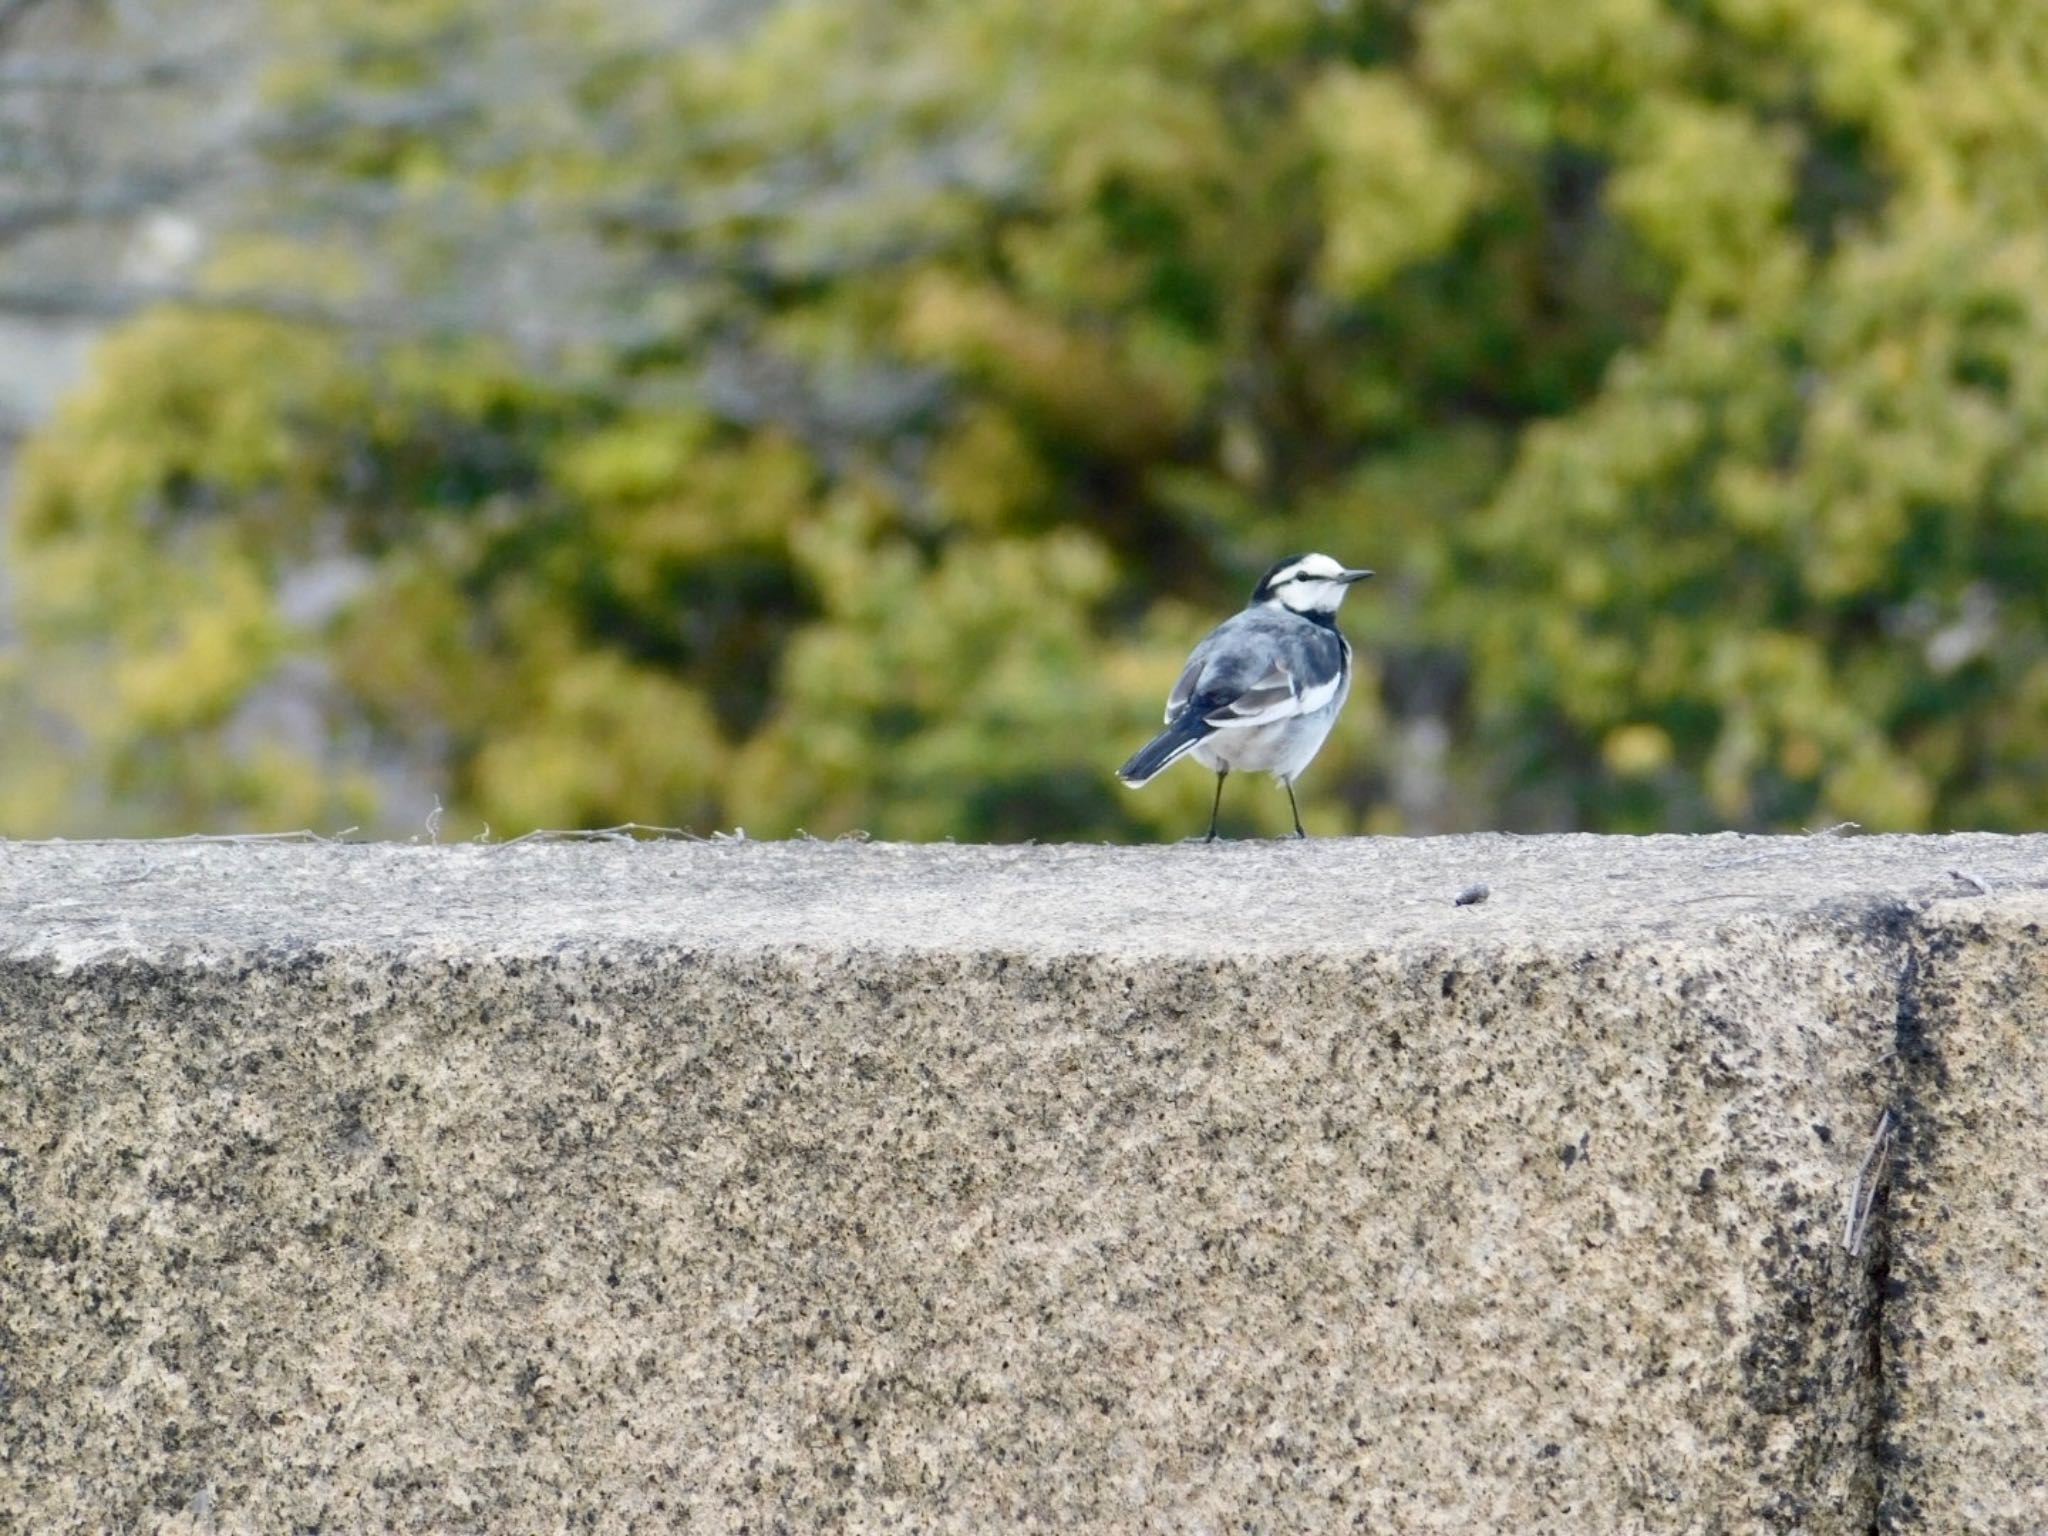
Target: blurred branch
[
  {"x": 384, "y": 320},
  {"x": 54, "y": 74},
  {"x": 117, "y": 301},
  {"x": 969, "y": 167},
  {"x": 311, "y": 127},
  {"x": 21, "y": 217}
]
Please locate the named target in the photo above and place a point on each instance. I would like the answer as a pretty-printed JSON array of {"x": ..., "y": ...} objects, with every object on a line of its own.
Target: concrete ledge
[{"x": 795, "y": 1187}]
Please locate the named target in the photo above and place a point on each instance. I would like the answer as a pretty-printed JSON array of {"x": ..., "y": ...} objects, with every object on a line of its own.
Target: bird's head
[{"x": 1306, "y": 584}]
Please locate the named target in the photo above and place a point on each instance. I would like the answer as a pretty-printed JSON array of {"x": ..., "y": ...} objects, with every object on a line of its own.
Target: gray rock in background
[{"x": 1255, "y": 1187}]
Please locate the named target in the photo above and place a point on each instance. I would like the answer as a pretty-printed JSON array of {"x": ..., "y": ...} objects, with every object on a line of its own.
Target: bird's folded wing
[
  {"x": 1274, "y": 697},
  {"x": 1184, "y": 690}
]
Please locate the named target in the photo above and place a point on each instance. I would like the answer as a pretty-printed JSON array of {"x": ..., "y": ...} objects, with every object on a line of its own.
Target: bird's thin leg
[
  {"x": 1294, "y": 808},
  {"x": 1217, "y": 805}
]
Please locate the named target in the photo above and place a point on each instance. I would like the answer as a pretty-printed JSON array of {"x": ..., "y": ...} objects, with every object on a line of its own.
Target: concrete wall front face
[{"x": 1530, "y": 1225}]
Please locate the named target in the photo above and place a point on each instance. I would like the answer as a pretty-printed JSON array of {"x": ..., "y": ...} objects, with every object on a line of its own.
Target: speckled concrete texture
[
  {"x": 733, "y": 1187},
  {"x": 1965, "y": 1337}
]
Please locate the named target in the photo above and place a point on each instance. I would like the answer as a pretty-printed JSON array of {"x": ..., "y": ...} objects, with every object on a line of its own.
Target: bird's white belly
[{"x": 1282, "y": 749}]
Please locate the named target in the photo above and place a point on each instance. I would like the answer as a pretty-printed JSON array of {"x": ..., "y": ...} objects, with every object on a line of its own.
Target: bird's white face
[{"x": 1308, "y": 584}]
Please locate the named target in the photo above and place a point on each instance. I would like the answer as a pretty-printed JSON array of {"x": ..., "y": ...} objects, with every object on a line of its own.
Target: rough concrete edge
[
  {"x": 1897, "y": 931},
  {"x": 1922, "y": 935}
]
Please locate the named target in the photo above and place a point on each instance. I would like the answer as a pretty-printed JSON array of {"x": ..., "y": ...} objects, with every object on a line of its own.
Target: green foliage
[{"x": 848, "y": 420}]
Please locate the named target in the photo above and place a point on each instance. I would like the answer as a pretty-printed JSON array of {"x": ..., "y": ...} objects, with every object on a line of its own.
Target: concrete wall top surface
[{"x": 78, "y": 900}]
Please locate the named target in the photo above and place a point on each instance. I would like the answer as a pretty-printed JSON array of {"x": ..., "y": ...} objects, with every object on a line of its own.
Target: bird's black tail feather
[{"x": 1164, "y": 750}]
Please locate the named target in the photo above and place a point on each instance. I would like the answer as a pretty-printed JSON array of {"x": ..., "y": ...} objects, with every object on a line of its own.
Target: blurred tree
[
  {"x": 843, "y": 416},
  {"x": 105, "y": 143},
  {"x": 1789, "y": 563}
]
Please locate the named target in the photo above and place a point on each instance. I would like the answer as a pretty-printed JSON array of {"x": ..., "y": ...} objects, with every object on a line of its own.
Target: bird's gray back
[{"x": 1239, "y": 652}]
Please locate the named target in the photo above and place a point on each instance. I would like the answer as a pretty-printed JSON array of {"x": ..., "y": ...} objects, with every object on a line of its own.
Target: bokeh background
[{"x": 843, "y": 416}]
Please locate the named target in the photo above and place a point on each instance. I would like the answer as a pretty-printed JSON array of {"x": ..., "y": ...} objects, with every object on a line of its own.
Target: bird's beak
[{"x": 1350, "y": 576}]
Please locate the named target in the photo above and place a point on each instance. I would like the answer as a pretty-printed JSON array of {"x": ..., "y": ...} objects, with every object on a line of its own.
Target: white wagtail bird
[{"x": 1262, "y": 691}]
